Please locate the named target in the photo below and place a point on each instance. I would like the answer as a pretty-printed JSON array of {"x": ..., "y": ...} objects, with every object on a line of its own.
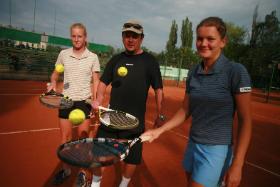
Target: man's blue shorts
[{"x": 207, "y": 163}]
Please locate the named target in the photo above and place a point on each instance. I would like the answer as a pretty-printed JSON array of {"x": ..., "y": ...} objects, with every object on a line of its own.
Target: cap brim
[{"x": 132, "y": 30}]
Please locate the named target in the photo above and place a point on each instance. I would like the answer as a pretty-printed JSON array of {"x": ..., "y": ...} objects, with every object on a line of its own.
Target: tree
[
  {"x": 171, "y": 43},
  {"x": 236, "y": 37},
  {"x": 264, "y": 50},
  {"x": 186, "y": 34},
  {"x": 186, "y": 52},
  {"x": 254, "y": 24}
]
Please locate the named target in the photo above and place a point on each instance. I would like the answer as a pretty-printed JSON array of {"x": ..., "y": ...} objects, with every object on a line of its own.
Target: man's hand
[
  {"x": 95, "y": 105},
  {"x": 94, "y": 114}
]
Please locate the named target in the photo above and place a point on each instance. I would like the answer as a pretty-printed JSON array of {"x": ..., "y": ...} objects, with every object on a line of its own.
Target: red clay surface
[{"x": 29, "y": 136}]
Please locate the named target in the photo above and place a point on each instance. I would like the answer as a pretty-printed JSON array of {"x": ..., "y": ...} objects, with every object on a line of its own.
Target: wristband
[{"x": 161, "y": 117}]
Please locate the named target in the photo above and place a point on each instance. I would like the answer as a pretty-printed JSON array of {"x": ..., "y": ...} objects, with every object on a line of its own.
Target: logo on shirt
[{"x": 245, "y": 89}]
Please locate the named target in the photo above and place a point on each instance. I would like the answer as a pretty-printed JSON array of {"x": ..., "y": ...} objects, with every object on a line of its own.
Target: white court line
[
  {"x": 261, "y": 168},
  {"x": 172, "y": 131},
  {"x": 34, "y": 130},
  {"x": 247, "y": 162},
  {"x": 12, "y": 94},
  {"x": 27, "y": 131},
  {"x": 178, "y": 134},
  {"x": 5, "y": 89}
]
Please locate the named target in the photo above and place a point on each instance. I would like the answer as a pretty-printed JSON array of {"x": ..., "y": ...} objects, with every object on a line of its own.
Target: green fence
[
  {"x": 37, "y": 38},
  {"x": 13, "y": 34}
]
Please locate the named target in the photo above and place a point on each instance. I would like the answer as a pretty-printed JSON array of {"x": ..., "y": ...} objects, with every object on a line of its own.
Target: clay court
[{"x": 29, "y": 136}]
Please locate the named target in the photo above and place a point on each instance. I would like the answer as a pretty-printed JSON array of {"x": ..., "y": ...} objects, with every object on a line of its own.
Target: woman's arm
[
  {"x": 176, "y": 120},
  {"x": 243, "y": 107}
]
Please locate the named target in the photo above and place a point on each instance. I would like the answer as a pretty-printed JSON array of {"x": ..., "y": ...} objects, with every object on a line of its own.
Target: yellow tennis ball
[
  {"x": 77, "y": 116},
  {"x": 122, "y": 71},
  {"x": 59, "y": 68}
]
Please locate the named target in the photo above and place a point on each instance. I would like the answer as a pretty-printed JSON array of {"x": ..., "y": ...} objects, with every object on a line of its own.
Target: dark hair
[{"x": 216, "y": 22}]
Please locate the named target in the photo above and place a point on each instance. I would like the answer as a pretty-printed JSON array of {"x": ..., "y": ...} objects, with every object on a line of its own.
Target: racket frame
[
  {"x": 121, "y": 156},
  {"x": 55, "y": 94},
  {"x": 103, "y": 110}
]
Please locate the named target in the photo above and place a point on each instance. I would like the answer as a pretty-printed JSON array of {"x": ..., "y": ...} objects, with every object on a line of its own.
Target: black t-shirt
[{"x": 129, "y": 92}]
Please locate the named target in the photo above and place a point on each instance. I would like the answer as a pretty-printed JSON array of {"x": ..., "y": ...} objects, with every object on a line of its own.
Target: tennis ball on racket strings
[
  {"x": 59, "y": 68},
  {"x": 77, "y": 116},
  {"x": 122, "y": 71}
]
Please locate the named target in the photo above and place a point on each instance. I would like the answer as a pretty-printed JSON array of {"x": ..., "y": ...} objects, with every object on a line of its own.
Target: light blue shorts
[{"x": 207, "y": 163}]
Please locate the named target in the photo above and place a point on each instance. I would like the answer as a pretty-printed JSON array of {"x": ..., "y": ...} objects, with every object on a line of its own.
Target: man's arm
[
  {"x": 100, "y": 93},
  {"x": 178, "y": 118},
  {"x": 159, "y": 99}
]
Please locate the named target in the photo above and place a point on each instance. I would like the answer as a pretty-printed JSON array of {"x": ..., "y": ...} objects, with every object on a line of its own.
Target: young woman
[
  {"x": 81, "y": 67},
  {"x": 215, "y": 89}
]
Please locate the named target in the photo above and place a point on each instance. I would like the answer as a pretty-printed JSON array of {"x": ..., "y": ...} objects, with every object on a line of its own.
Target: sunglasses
[
  {"x": 131, "y": 34},
  {"x": 135, "y": 26}
]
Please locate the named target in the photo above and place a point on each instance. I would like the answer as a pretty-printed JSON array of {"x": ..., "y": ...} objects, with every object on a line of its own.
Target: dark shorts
[
  {"x": 135, "y": 153},
  {"x": 85, "y": 107}
]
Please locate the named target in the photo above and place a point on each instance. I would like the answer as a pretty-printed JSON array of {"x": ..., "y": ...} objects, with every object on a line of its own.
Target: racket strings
[
  {"x": 119, "y": 119},
  {"x": 56, "y": 101},
  {"x": 77, "y": 153},
  {"x": 51, "y": 100},
  {"x": 92, "y": 154},
  {"x": 105, "y": 154}
]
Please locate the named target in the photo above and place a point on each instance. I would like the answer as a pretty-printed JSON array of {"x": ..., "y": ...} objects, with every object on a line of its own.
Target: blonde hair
[{"x": 79, "y": 25}]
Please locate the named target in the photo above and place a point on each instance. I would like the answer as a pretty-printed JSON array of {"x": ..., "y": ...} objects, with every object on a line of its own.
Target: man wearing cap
[{"x": 130, "y": 73}]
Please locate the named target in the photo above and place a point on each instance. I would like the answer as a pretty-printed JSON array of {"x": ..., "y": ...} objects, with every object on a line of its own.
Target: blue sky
[{"x": 104, "y": 18}]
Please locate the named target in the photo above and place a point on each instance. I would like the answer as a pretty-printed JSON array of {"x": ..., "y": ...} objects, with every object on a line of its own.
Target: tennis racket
[
  {"x": 117, "y": 119},
  {"x": 52, "y": 99},
  {"x": 96, "y": 152},
  {"x": 111, "y": 118}
]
